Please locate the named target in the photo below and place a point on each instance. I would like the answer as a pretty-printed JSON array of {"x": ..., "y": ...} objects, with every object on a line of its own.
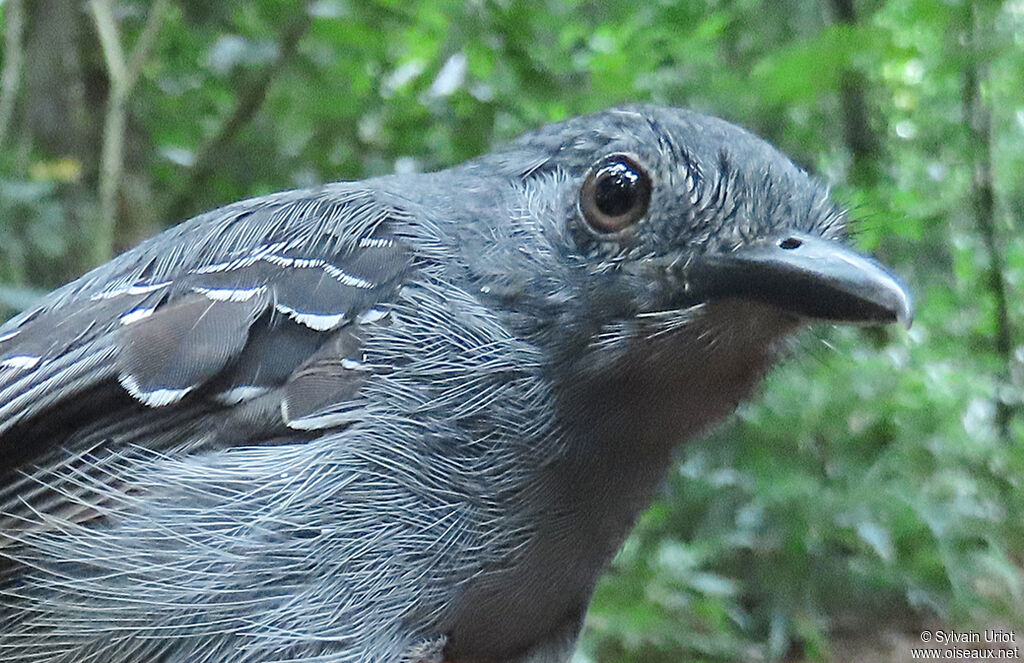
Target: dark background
[{"x": 872, "y": 490}]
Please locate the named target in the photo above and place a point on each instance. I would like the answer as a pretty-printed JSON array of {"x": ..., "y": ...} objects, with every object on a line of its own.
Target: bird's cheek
[{"x": 629, "y": 239}]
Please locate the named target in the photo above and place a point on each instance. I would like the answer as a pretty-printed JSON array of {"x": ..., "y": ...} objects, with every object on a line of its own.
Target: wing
[{"x": 250, "y": 314}]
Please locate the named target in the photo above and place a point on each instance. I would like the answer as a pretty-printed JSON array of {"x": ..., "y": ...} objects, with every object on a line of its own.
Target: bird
[{"x": 408, "y": 419}]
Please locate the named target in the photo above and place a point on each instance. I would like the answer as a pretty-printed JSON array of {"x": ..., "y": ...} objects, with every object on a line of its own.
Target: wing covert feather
[{"x": 229, "y": 304}]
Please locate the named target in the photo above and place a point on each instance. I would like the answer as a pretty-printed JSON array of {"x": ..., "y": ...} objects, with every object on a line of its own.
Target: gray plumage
[{"x": 405, "y": 419}]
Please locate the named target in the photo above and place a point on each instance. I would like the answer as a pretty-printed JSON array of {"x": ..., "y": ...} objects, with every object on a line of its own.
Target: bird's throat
[
  {"x": 625, "y": 422},
  {"x": 621, "y": 425}
]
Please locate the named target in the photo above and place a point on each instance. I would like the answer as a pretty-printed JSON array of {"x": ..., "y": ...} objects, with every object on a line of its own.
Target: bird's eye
[{"x": 615, "y": 194}]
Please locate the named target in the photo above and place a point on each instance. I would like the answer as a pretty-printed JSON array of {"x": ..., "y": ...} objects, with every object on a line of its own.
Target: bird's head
[{"x": 671, "y": 241}]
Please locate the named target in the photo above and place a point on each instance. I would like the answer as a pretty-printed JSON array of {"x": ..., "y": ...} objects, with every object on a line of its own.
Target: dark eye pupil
[
  {"x": 616, "y": 189},
  {"x": 615, "y": 194}
]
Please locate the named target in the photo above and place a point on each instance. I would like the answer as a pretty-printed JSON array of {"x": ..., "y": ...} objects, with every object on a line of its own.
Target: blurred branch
[
  {"x": 978, "y": 120},
  {"x": 860, "y": 139},
  {"x": 247, "y": 103},
  {"x": 110, "y": 40},
  {"x": 10, "y": 79},
  {"x": 123, "y": 73}
]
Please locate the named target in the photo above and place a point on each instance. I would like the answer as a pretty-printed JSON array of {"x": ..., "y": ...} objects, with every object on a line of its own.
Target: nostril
[{"x": 790, "y": 243}]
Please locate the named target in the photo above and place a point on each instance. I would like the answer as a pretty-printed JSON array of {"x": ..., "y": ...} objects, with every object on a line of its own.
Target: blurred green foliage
[{"x": 876, "y": 483}]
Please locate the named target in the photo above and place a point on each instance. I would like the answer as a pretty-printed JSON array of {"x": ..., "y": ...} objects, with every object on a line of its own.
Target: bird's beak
[{"x": 808, "y": 276}]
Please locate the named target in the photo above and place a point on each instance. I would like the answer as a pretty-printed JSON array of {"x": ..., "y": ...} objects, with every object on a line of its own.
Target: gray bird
[{"x": 408, "y": 419}]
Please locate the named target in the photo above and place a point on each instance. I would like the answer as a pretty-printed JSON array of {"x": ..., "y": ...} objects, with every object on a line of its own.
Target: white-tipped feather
[
  {"x": 370, "y": 316},
  {"x": 317, "y": 321},
  {"x": 21, "y": 362},
  {"x": 152, "y": 397},
  {"x": 137, "y": 314},
  {"x": 136, "y": 289},
  {"x": 237, "y": 395},
  {"x": 348, "y": 279},
  {"x": 231, "y": 294}
]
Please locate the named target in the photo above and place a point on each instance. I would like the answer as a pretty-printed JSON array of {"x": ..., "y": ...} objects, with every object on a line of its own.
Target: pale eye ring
[{"x": 615, "y": 194}]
